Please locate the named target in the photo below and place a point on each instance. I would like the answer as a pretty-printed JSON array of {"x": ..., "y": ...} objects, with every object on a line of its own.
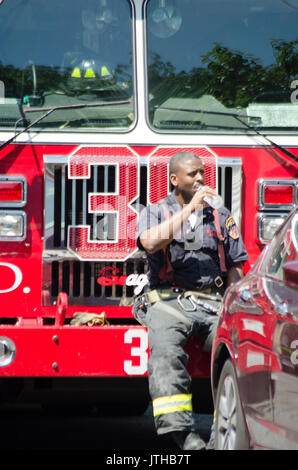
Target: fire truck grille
[
  {"x": 66, "y": 204},
  {"x": 86, "y": 283}
]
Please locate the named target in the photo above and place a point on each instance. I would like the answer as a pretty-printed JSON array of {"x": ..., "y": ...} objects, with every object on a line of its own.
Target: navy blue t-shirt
[{"x": 193, "y": 253}]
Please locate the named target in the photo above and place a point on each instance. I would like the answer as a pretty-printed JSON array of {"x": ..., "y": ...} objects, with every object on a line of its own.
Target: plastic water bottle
[{"x": 216, "y": 201}]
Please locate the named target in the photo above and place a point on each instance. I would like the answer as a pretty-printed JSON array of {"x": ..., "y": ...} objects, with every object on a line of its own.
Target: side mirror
[{"x": 290, "y": 270}]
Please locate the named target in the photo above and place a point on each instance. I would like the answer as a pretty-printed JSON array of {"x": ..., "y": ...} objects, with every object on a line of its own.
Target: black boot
[{"x": 189, "y": 440}]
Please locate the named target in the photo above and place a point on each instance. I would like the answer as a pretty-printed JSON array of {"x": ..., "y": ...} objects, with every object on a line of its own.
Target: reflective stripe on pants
[{"x": 172, "y": 404}]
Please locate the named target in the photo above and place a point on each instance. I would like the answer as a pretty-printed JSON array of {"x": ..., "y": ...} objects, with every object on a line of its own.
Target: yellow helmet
[{"x": 90, "y": 75}]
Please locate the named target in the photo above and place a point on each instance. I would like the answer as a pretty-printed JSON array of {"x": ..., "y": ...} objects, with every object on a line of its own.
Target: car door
[
  {"x": 253, "y": 331},
  {"x": 284, "y": 367}
]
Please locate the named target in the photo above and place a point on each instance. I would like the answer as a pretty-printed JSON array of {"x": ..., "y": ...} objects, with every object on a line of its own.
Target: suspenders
[
  {"x": 221, "y": 251},
  {"x": 166, "y": 272}
]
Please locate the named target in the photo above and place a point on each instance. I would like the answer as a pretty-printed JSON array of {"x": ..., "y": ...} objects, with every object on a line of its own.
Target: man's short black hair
[{"x": 180, "y": 157}]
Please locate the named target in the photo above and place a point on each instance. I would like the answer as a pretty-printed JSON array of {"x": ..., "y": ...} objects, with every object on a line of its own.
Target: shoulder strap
[
  {"x": 221, "y": 251},
  {"x": 166, "y": 272}
]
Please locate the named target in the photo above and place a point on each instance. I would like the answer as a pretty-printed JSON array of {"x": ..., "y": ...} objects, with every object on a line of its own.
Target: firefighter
[{"x": 193, "y": 253}]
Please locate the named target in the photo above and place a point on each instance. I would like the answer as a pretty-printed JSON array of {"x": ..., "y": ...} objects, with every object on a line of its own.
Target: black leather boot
[{"x": 189, "y": 440}]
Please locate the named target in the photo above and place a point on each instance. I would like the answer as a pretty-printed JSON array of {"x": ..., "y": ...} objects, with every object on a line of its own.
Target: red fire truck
[{"x": 95, "y": 96}]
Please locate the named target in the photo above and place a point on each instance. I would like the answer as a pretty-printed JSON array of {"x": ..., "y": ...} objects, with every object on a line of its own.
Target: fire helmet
[{"x": 90, "y": 75}]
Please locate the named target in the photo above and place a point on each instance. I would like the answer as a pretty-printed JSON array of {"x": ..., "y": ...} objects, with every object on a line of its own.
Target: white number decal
[
  {"x": 119, "y": 203},
  {"x": 140, "y": 351}
]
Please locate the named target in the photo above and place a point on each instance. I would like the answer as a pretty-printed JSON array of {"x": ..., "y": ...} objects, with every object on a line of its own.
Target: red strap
[
  {"x": 166, "y": 272},
  {"x": 221, "y": 251}
]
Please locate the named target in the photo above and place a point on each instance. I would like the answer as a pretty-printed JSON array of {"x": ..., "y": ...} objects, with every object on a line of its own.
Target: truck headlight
[
  {"x": 268, "y": 224},
  {"x": 7, "y": 351},
  {"x": 12, "y": 225}
]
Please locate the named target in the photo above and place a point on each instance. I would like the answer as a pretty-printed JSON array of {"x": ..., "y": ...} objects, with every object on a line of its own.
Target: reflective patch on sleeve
[{"x": 232, "y": 228}]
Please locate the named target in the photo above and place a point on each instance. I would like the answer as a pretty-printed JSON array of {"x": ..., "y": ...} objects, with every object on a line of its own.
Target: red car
[{"x": 254, "y": 363}]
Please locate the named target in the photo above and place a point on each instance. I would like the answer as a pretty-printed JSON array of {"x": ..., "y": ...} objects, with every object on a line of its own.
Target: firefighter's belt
[
  {"x": 156, "y": 295},
  {"x": 200, "y": 299},
  {"x": 89, "y": 319}
]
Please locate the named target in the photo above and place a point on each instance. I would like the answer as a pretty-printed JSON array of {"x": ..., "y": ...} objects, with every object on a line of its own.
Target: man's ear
[{"x": 173, "y": 179}]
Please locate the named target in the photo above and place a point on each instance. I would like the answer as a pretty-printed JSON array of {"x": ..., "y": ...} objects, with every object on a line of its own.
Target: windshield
[
  {"x": 65, "y": 52},
  {"x": 222, "y": 56}
]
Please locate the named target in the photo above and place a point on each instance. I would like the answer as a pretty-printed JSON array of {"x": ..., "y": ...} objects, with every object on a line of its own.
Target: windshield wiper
[
  {"x": 238, "y": 118},
  {"x": 48, "y": 111}
]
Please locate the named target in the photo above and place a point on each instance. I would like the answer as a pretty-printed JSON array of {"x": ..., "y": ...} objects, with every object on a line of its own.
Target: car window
[{"x": 285, "y": 248}]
